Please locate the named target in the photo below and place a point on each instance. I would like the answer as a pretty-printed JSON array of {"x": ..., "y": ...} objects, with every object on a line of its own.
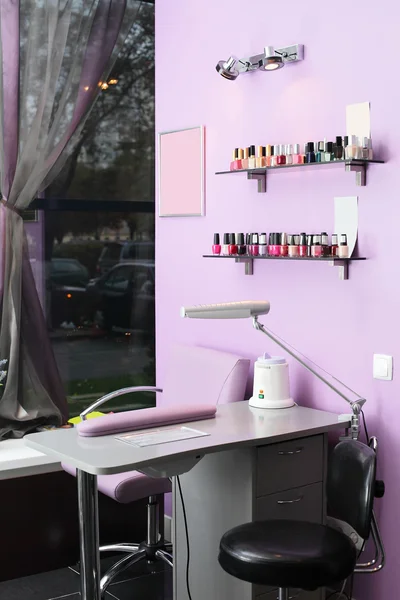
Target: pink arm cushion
[{"x": 146, "y": 418}]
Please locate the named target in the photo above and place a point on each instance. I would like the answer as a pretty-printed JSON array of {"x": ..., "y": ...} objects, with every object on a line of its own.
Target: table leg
[{"x": 89, "y": 535}]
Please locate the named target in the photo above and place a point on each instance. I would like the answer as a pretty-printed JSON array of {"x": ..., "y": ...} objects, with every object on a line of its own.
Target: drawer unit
[
  {"x": 289, "y": 465},
  {"x": 301, "y": 504},
  {"x": 293, "y": 595}
]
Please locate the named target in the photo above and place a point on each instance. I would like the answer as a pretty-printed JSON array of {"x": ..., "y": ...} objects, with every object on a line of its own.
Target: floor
[{"x": 141, "y": 582}]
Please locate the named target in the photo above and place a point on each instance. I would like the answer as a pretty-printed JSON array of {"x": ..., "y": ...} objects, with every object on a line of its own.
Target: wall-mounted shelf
[
  {"x": 359, "y": 167},
  {"x": 341, "y": 263}
]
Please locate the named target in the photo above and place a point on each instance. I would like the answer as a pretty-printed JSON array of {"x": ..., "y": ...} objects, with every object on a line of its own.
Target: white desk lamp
[{"x": 253, "y": 309}]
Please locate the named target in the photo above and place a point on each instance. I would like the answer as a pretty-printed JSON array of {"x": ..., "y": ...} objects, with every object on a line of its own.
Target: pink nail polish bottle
[
  {"x": 255, "y": 250},
  {"x": 316, "y": 248},
  {"x": 303, "y": 245},
  {"x": 274, "y": 248},
  {"x": 216, "y": 249},
  {"x": 298, "y": 158},
  {"x": 293, "y": 245}
]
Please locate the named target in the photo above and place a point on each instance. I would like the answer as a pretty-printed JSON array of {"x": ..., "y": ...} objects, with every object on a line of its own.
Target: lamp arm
[{"x": 356, "y": 405}]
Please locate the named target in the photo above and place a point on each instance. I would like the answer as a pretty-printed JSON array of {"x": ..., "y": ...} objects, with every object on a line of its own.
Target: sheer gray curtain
[{"x": 53, "y": 56}]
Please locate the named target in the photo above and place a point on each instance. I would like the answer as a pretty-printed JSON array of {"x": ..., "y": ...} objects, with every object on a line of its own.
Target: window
[{"x": 92, "y": 246}]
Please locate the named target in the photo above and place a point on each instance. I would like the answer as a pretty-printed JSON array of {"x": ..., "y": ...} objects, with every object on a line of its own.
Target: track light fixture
[{"x": 271, "y": 59}]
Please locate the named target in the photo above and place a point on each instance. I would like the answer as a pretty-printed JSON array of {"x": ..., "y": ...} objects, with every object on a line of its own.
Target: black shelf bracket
[
  {"x": 360, "y": 169},
  {"x": 261, "y": 179}
]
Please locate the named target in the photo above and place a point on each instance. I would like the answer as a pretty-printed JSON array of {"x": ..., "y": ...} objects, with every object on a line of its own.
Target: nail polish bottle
[
  {"x": 233, "y": 249},
  {"x": 245, "y": 159},
  {"x": 325, "y": 244},
  {"x": 298, "y": 158},
  {"x": 274, "y": 157},
  {"x": 310, "y": 154},
  {"x": 241, "y": 246},
  {"x": 293, "y": 245},
  {"x": 309, "y": 244},
  {"x": 328, "y": 155},
  {"x": 370, "y": 150},
  {"x": 338, "y": 148},
  {"x": 248, "y": 243},
  {"x": 284, "y": 250},
  {"x": 320, "y": 156},
  {"x": 316, "y": 248},
  {"x": 343, "y": 249},
  {"x": 303, "y": 245},
  {"x": 252, "y": 157},
  {"x": 345, "y": 145},
  {"x": 262, "y": 246},
  {"x": 254, "y": 245},
  {"x": 268, "y": 155},
  {"x": 281, "y": 159},
  {"x": 351, "y": 148},
  {"x": 289, "y": 154},
  {"x": 334, "y": 246},
  {"x": 216, "y": 249},
  {"x": 273, "y": 247},
  {"x": 235, "y": 155},
  {"x": 366, "y": 150},
  {"x": 225, "y": 245},
  {"x": 260, "y": 159}
]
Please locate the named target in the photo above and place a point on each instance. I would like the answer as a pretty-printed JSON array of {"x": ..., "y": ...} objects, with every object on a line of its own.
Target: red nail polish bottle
[
  {"x": 233, "y": 249},
  {"x": 281, "y": 158},
  {"x": 216, "y": 249},
  {"x": 334, "y": 247},
  {"x": 325, "y": 244},
  {"x": 284, "y": 250}
]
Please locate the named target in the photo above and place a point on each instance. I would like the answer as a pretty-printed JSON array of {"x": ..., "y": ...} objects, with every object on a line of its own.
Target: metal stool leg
[
  {"x": 120, "y": 566},
  {"x": 283, "y": 594}
]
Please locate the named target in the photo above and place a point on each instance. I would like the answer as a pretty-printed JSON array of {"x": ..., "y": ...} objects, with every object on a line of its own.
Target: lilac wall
[{"x": 338, "y": 324}]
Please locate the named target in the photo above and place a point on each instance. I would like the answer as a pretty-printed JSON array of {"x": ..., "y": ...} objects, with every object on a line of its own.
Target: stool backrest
[
  {"x": 351, "y": 485},
  {"x": 201, "y": 375}
]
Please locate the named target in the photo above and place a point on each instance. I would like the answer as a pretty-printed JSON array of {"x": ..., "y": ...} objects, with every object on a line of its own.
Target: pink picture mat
[{"x": 181, "y": 173}]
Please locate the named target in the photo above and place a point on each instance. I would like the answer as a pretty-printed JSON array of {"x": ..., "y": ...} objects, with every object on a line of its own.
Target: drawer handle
[
  {"x": 290, "y": 452},
  {"x": 290, "y": 501}
]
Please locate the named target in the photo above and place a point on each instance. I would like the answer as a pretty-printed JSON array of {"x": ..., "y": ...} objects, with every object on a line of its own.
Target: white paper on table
[
  {"x": 140, "y": 439},
  {"x": 346, "y": 219},
  {"x": 358, "y": 120}
]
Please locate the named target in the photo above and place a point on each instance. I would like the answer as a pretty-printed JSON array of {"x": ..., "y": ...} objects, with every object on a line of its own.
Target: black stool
[{"x": 297, "y": 554}]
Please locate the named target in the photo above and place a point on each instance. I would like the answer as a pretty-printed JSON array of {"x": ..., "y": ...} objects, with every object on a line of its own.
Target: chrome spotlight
[
  {"x": 227, "y": 69},
  {"x": 271, "y": 61}
]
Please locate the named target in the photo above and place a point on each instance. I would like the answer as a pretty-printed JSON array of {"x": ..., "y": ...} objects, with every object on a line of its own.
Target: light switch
[{"x": 383, "y": 367}]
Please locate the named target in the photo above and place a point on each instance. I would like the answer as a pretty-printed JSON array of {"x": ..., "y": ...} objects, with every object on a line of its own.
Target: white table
[
  {"x": 17, "y": 460},
  {"x": 236, "y": 426}
]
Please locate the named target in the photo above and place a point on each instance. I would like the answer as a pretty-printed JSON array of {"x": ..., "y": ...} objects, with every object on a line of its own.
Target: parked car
[
  {"x": 124, "y": 297},
  {"x": 68, "y": 271},
  {"x": 114, "y": 253},
  {"x": 67, "y": 283}
]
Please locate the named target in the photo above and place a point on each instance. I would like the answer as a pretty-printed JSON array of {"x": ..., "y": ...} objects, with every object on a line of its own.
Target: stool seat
[{"x": 287, "y": 554}]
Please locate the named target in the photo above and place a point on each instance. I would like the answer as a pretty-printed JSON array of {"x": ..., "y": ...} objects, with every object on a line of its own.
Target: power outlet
[{"x": 383, "y": 367}]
